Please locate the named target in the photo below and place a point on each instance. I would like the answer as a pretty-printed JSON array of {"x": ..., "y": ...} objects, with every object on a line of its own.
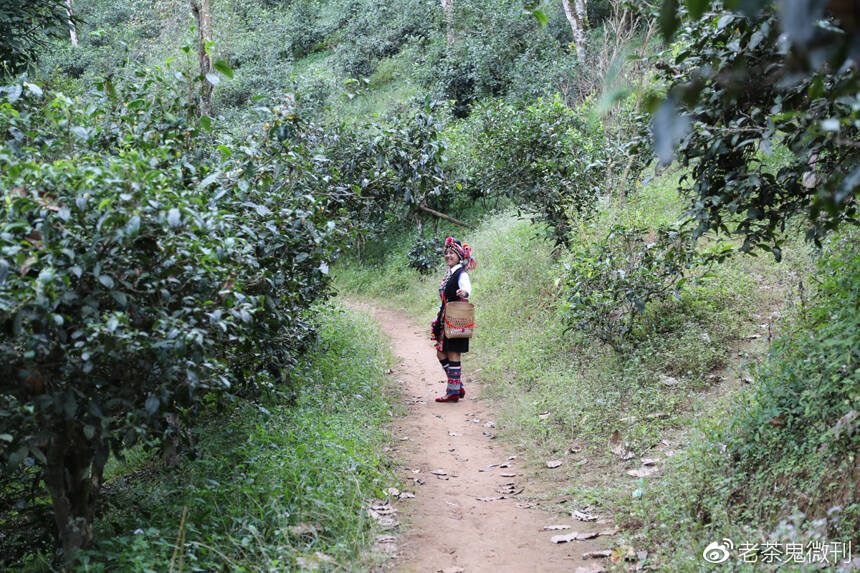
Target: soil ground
[{"x": 471, "y": 511}]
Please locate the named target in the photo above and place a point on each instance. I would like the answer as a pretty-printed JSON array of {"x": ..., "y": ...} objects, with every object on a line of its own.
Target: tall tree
[
  {"x": 576, "y": 15},
  {"x": 448, "y": 10},
  {"x": 73, "y": 30},
  {"x": 202, "y": 12}
]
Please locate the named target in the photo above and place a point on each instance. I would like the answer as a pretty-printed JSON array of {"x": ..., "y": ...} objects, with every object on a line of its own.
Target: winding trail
[{"x": 447, "y": 526}]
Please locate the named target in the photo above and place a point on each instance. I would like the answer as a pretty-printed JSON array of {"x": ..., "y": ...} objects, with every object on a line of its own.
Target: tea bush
[
  {"x": 610, "y": 282},
  {"x": 140, "y": 270},
  {"x": 550, "y": 158}
]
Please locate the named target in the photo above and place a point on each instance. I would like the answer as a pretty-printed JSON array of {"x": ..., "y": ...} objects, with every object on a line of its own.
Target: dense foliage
[
  {"x": 25, "y": 26},
  {"x": 256, "y": 493},
  {"x": 780, "y": 466},
  {"x": 611, "y": 281},
  {"x": 548, "y": 157},
  {"x": 744, "y": 92},
  {"x": 139, "y": 272},
  {"x": 156, "y": 265}
]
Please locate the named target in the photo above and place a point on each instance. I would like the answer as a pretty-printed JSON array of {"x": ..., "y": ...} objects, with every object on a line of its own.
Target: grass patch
[
  {"x": 277, "y": 486},
  {"x": 777, "y": 463}
]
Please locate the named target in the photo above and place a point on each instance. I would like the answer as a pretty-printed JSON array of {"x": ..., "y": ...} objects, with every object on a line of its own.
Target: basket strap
[{"x": 455, "y": 326}]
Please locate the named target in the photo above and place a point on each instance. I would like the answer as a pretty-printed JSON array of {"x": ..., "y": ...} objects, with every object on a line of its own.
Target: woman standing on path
[{"x": 455, "y": 286}]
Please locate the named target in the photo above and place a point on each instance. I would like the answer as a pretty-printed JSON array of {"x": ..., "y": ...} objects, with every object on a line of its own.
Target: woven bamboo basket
[{"x": 459, "y": 319}]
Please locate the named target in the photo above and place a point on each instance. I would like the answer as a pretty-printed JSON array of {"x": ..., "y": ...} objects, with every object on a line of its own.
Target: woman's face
[{"x": 451, "y": 258}]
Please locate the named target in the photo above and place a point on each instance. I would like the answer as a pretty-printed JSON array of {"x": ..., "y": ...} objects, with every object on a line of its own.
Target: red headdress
[{"x": 463, "y": 250}]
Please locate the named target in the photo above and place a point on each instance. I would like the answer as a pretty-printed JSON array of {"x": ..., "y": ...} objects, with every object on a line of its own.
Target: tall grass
[
  {"x": 280, "y": 486},
  {"x": 776, "y": 463}
]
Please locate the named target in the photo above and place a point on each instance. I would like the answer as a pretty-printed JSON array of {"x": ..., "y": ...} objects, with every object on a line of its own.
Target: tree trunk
[
  {"x": 576, "y": 16},
  {"x": 69, "y": 480},
  {"x": 448, "y": 10},
  {"x": 202, "y": 13},
  {"x": 73, "y": 30}
]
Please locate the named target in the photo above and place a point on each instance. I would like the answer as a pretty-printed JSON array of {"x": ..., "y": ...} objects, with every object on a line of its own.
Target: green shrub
[
  {"x": 274, "y": 482},
  {"x": 493, "y": 43},
  {"x": 781, "y": 465},
  {"x": 549, "y": 158},
  {"x": 425, "y": 254},
  {"x": 378, "y": 29},
  {"x": 140, "y": 269},
  {"x": 610, "y": 282}
]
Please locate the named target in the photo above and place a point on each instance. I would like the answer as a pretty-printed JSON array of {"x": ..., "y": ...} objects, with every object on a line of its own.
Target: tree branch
[{"x": 435, "y": 213}]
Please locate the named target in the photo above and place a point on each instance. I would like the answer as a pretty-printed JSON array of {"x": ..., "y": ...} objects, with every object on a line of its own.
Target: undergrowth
[
  {"x": 281, "y": 486},
  {"x": 778, "y": 463}
]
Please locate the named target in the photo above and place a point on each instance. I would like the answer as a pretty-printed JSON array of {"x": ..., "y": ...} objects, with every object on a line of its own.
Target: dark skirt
[{"x": 455, "y": 345}]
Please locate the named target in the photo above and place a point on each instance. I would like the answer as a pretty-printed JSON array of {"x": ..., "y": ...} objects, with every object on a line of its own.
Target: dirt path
[{"x": 450, "y": 461}]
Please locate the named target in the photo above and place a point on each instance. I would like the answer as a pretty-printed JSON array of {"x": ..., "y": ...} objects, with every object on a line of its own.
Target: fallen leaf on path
[
  {"x": 555, "y": 527},
  {"x": 582, "y": 516},
  {"x": 573, "y": 537},
  {"x": 382, "y": 507},
  {"x": 553, "y": 464},
  {"x": 644, "y": 472},
  {"x": 597, "y": 554},
  {"x": 623, "y": 453},
  {"x": 510, "y": 490},
  {"x": 386, "y": 544},
  {"x": 387, "y": 522},
  {"x": 616, "y": 437}
]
